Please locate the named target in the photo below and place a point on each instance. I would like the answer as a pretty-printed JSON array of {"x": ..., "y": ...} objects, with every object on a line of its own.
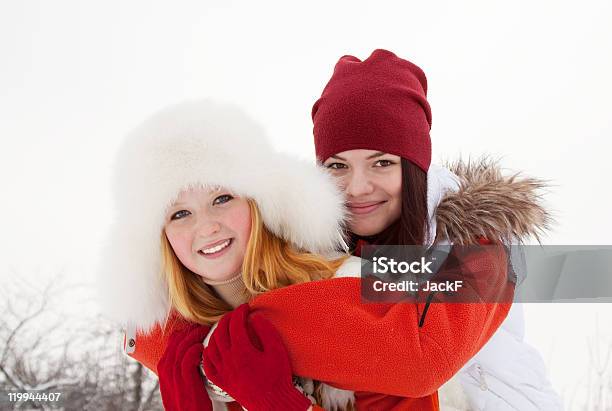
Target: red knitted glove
[
  {"x": 246, "y": 358},
  {"x": 180, "y": 382}
]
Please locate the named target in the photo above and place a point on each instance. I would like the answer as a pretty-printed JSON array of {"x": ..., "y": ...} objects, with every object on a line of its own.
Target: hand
[
  {"x": 180, "y": 382},
  {"x": 247, "y": 358}
]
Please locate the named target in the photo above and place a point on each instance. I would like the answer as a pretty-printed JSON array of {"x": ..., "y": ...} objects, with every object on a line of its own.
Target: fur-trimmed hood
[
  {"x": 203, "y": 143},
  {"x": 492, "y": 205}
]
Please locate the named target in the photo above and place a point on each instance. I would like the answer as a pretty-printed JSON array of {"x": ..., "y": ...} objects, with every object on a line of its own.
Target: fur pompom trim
[
  {"x": 204, "y": 143},
  {"x": 491, "y": 205}
]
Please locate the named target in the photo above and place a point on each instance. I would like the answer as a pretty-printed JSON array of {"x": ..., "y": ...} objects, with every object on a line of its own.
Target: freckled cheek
[
  {"x": 238, "y": 221},
  {"x": 180, "y": 242},
  {"x": 243, "y": 225}
]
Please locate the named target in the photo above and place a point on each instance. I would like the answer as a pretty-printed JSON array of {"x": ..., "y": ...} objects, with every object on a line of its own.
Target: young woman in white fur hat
[
  {"x": 187, "y": 183},
  {"x": 208, "y": 215}
]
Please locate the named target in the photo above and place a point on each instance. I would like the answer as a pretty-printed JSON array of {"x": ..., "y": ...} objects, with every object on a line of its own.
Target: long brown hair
[
  {"x": 412, "y": 226},
  {"x": 269, "y": 263}
]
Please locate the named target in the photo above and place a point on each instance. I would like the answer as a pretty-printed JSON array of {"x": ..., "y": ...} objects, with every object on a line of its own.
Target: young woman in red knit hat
[
  {"x": 371, "y": 129},
  {"x": 402, "y": 352}
]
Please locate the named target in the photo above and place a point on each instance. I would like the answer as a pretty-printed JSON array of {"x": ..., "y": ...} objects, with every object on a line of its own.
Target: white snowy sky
[{"x": 526, "y": 80}]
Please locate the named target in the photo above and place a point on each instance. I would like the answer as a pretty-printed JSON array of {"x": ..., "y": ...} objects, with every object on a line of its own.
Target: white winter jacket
[{"x": 506, "y": 374}]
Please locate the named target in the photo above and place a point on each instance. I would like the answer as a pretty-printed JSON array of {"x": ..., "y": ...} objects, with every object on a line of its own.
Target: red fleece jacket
[{"x": 332, "y": 336}]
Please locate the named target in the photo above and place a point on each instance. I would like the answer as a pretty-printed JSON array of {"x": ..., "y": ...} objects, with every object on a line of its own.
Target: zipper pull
[
  {"x": 481, "y": 378},
  {"x": 130, "y": 338}
]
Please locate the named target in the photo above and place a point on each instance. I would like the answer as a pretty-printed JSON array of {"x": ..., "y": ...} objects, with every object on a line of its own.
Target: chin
[
  {"x": 365, "y": 231},
  {"x": 369, "y": 228}
]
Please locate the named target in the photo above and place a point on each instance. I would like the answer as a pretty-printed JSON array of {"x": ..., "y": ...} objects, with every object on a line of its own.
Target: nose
[
  {"x": 357, "y": 184},
  {"x": 207, "y": 226}
]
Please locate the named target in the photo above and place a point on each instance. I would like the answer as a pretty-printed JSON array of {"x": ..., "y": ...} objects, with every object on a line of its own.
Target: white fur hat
[{"x": 211, "y": 144}]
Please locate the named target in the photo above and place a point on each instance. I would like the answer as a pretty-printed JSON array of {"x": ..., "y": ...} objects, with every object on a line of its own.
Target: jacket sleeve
[
  {"x": 333, "y": 336},
  {"x": 148, "y": 347}
]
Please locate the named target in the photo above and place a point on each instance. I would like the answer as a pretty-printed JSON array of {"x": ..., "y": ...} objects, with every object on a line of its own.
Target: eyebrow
[
  {"x": 380, "y": 153},
  {"x": 377, "y": 154},
  {"x": 177, "y": 205},
  {"x": 338, "y": 158}
]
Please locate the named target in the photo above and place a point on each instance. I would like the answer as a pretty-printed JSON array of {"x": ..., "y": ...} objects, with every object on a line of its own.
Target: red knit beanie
[{"x": 377, "y": 104}]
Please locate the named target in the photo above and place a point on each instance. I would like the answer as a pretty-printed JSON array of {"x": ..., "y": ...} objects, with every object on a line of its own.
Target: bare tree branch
[{"x": 45, "y": 349}]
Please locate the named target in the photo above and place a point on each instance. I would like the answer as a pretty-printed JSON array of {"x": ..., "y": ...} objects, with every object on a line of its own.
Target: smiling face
[
  {"x": 372, "y": 183},
  {"x": 209, "y": 231}
]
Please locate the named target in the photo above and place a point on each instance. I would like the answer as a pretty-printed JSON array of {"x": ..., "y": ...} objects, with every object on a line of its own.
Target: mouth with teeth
[{"x": 217, "y": 249}]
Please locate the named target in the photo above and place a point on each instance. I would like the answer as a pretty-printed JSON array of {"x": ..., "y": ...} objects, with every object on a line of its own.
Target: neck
[{"x": 231, "y": 291}]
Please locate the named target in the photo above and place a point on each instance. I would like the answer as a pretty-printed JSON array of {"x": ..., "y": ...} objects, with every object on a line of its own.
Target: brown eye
[
  {"x": 383, "y": 163},
  {"x": 336, "y": 166},
  {"x": 179, "y": 214}
]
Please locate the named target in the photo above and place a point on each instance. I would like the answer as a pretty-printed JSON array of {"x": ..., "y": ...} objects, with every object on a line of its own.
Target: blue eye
[
  {"x": 336, "y": 166},
  {"x": 222, "y": 199},
  {"x": 179, "y": 214}
]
